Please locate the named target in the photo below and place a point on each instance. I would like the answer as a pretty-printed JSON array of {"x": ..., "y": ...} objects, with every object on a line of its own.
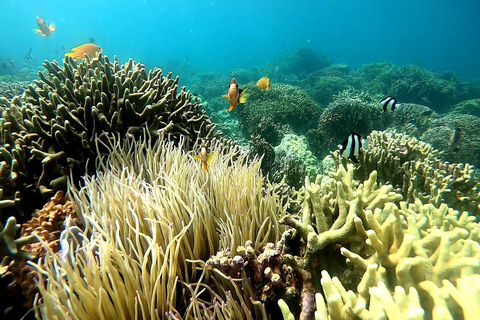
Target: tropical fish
[
  {"x": 88, "y": 48},
  {"x": 44, "y": 30},
  {"x": 264, "y": 83},
  {"x": 205, "y": 157},
  {"x": 389, "y": 103},
  {"x": 12, "y": 64},
  {"x": 91, "y": 40},
  {"x": 455, "y": 139},
  {"x": 235, "y": 95},
  {"x": 350, "y": 147}
]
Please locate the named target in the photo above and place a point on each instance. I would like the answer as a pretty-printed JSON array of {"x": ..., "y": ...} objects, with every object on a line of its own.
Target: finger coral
[{"x": 412, "y": 256}]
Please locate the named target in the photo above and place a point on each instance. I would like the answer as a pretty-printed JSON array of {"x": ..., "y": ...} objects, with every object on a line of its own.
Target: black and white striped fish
[
  {"x": 350, "y": 147},
  {"x": 389, "y": 103}
]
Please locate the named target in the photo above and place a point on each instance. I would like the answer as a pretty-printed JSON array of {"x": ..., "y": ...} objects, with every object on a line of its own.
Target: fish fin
[
  {"x": 196, "y": 157},
  {"x": 38, "y": 31},
  {"x": 51, "y": 27},
  {"x": 231, "y": 108},
  {"x": 225, "y": 95},
  {"x": 352, "y": 157},
  {"x": 244, "y": 96}
]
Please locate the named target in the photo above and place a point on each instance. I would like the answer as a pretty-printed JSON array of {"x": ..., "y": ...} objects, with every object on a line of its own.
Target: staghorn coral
[
  {"x": 55, "y": 129},
  {"x": 152, "y": 218}
]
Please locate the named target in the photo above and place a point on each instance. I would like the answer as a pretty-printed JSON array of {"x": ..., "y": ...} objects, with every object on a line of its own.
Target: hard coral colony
[{"x": 144, "y": 232}]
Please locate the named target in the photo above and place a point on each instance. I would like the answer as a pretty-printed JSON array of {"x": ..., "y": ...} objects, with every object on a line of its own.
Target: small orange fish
[
  {"x": 44, "y": 30},
  {"x": 235, "y": 95},
  {"x": 264, "y": 83},
  {"x": 88, "y": 48},
  {"x": 205, "y": 157}
]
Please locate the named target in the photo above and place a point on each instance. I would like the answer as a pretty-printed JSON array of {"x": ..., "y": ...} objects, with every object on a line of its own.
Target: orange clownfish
[
  {"x": 88, "y": 48},
  {"x": 44, "y": 30},
  {"x": 205, "y": 157},
  {"x": 235, "y": 95},
  {"x": 264, "y": 83}
]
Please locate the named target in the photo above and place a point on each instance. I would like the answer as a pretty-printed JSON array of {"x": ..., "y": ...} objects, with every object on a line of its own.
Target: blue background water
[{"x": 441, "y": 35}]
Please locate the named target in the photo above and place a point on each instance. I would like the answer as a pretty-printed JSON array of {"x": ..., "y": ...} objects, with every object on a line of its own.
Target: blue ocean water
[{"x": 215, "y": 35}]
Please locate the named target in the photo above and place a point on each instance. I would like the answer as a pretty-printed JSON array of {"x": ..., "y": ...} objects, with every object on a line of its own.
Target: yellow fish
[
  {"x": 205, "y": 157},
  {"x": 88, "y": 48},
  {"x": 44, "y": 30},
  {"x": 264, "y": 83}
]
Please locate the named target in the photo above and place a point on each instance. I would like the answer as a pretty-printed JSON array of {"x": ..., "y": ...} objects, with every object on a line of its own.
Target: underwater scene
[{"x": 240, "y": 160}]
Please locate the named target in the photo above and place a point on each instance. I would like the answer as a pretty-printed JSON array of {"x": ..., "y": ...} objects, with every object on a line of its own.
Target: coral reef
[
  {"x": 471, "y": 107},
  {"x": 413, "y": 119},
  {"x": 55, "y": 129},
  {"x": 45, "y": 226},
  {"x": 296, "y": 65},
  {"x": 8, "y": 90},
  {"x": 417, "y": 171},
  {"x": 152, "y": 218},
  {"x": 415, "y": 85},
  {"x": 468, "y": 148},
  {"x": 294, "y": 161},
  {"x": 351, "y": 111},
  {"x": 266, "y": 112},
  {"x": 398, "y": 246},
  {"x": 323, "y": 84}
]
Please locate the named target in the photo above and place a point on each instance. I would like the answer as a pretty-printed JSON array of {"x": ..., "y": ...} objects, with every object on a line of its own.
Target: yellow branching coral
[
  {"x": 150, "y": 212},
  {"x": 417, "y": 171},
  {"x": 413, "y": 257}
]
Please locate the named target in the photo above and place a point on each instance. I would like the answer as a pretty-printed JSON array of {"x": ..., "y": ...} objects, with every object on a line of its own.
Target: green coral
[
  {"x": 266, "y": 112},
  {"x": 415, "y": 85},
  {"x": 11, "y": 247},
  {"x": 468, "y": 148},
  {"x": 294, "y": 160},
  {"x": 351, "y": 110}
]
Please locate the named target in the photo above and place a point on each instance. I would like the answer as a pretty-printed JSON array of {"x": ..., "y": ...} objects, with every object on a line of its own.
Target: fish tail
[
  {"x": 244, "y": 96},
  {"x": 205, "y": 165}
]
